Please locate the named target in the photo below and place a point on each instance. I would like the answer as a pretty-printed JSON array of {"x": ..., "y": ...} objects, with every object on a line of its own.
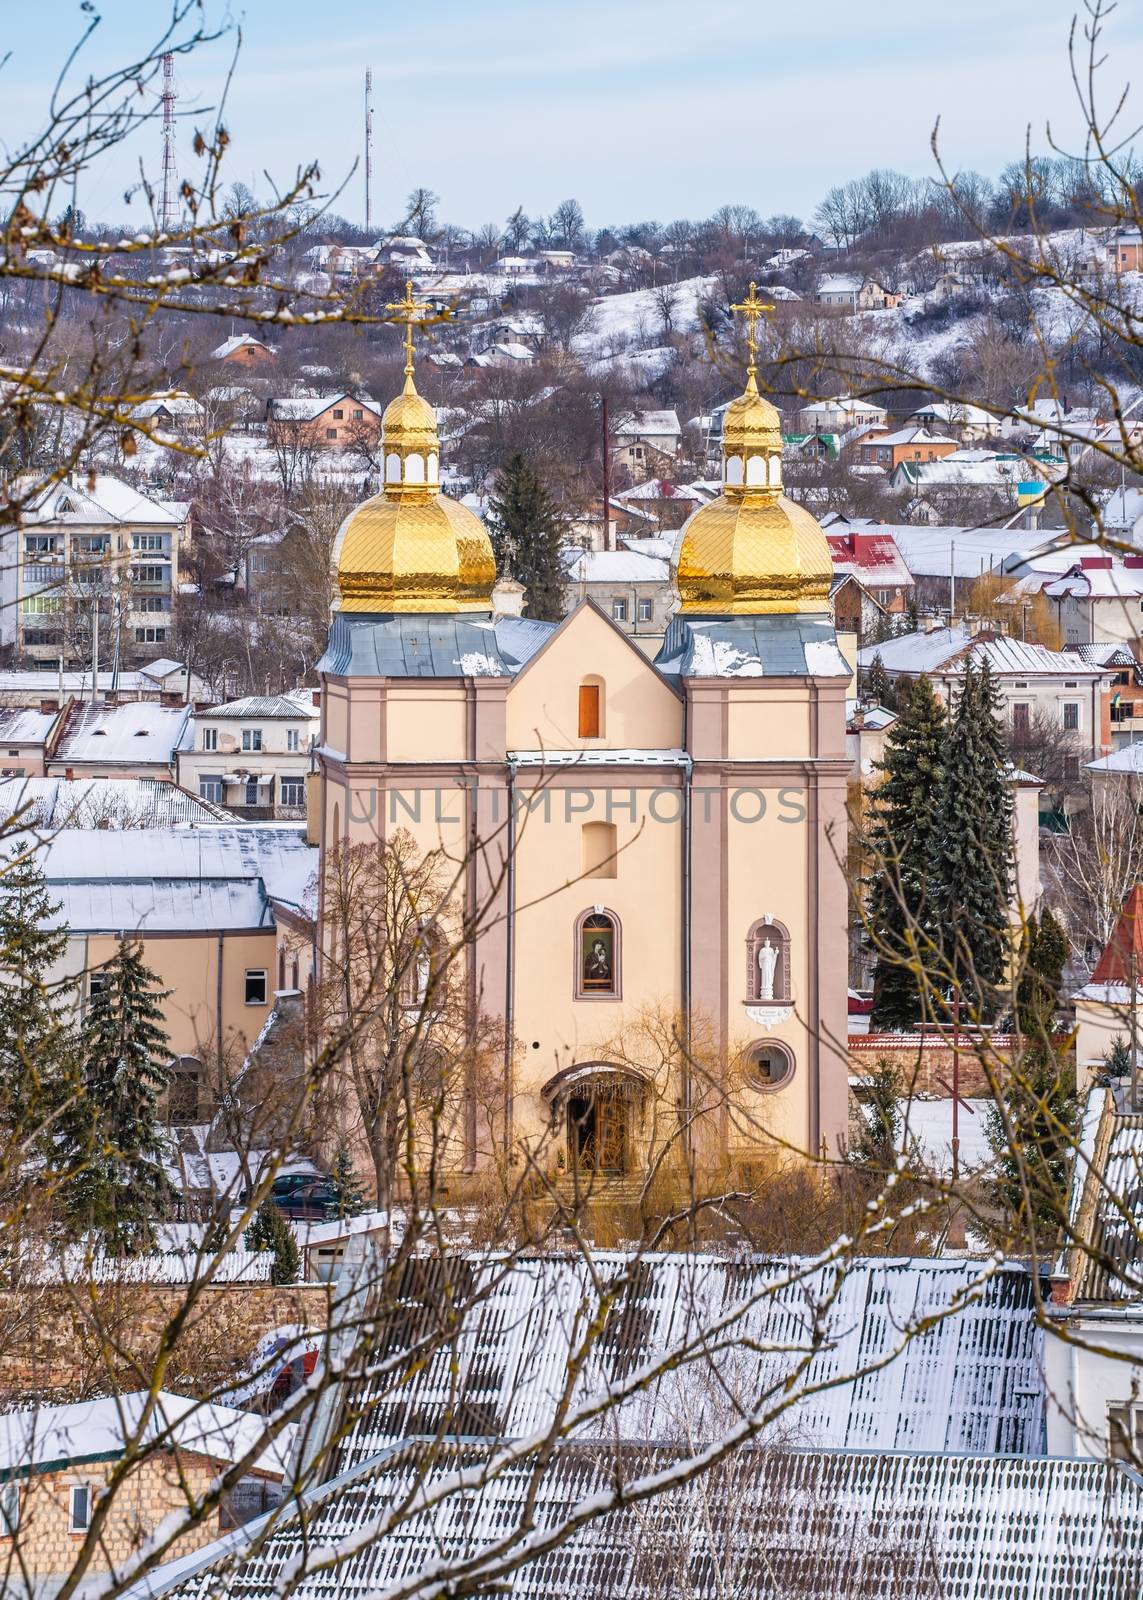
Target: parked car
[{"x": 304, "y": 1196}]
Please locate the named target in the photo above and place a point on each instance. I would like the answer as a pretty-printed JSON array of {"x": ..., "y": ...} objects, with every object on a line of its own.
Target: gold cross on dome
[
  {"x": 752, "y": 308},
  {"x": 407, "y": 310}
]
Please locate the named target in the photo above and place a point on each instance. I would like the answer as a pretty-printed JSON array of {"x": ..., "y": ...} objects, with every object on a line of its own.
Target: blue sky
[{"x": 639, "y": 108}]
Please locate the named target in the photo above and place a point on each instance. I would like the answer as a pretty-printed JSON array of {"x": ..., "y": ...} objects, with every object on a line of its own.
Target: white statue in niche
[{"x": 767, "y": 969}]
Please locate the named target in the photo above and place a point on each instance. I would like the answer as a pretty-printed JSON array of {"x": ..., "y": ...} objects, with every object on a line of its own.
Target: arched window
[
  {"x": 734, "y": 469},
  {"x": 598, "y": 955},
  {"x": 434, "y": 467},
  {"x": 392, "y": 467},
  {"x": 185, "y": 1088},
  {"x": 415, "y": 468},
  {"x": 769, "y": 1065},
  {"x": 768, "y": 963},
  {"x": 591, "y": 708},
  {"x": 756, "y": 469},
  {"x": 599, "y": 848},
  {"x": 775, "y": 471}
]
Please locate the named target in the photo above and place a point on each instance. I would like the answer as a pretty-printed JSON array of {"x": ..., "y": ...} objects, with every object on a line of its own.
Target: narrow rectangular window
[
  {"x": 251, "y": 738},
  {"x": 80, "y": 1507},
  {"x": 210, "y": 788},
  {"x": 1020, "y": 720},
  {"x": 293, "y": 739},
  {"x": 210, "y": 738},
  {"x": 589, "y": 711},
  {"x": 619, "y": 610},
  {"x": 1071, "y": 715},
  {"x": 645, "y": 610},
  {"x": 255, "y": 987},
  {"x": 9, "y": 1509}
]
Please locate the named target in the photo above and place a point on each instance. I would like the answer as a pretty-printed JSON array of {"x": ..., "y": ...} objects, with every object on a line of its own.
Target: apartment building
[
  {"x": 253, "y": 755},
  {"x": 92, "y": 574}
]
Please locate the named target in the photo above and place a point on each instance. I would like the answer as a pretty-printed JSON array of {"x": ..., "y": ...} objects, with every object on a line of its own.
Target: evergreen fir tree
[
  {"x": 37, "y": 1041},
  {"x": 526, "y": 529},
  {"x": 900, "y": 836},
  {"x": 350, "y": 1194},
  {"x": 118, "y": 1186},
  {"x": 970, "y": 861},
  {"x": 877, "y": 1141},
  {"x": 1117, "y": 1061},
  {"x": 877, "y": 681},
  {"x": 270, "y": 1231},
  {"x": 1045, "y": 951}
]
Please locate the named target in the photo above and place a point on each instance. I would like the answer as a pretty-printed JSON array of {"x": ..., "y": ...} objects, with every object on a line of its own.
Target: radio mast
[
  {"x": 168, "y": 203},
  {"x": 368, "y": 149}
]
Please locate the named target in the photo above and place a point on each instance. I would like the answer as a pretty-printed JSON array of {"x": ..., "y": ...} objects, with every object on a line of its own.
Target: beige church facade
[{"x": 650, "y": 854}]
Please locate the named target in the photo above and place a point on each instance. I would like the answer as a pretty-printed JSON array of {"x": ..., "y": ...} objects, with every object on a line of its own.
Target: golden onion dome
[
  {"x": 751, "y": 550},
  {"x": 411, "y": 548}
]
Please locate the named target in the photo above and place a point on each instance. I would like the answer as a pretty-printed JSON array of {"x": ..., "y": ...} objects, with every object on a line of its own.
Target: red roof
[
  {"x": 1115, "y": 964},
  {"x": 871, "y": 555}
]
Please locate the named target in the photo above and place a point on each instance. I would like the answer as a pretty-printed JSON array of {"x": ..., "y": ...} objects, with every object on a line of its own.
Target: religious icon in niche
[{"x": 597, "y": 954}]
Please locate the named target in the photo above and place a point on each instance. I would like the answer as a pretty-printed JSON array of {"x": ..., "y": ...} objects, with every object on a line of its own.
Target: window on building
[
  {"x": 1071, "y": 769},
  {"x": 619, "y": 610},
  {"x": 210, "y": 787},
  {"x": 1125, "y": 1433},
  {"x": 250, "y": 796},
  {"x": 151, "y": 542},
  {"x": 590, "y": 709},
  {"x": 80, "y": 1508},
  {"x": 358, "y": 416},
  {"x": 1071, "y": 683},
  {"x": 338, "y": 414},
  {"x": 9, "y": 1509},
  {"x": 149, "y": 573},
  {"x": 150, "y": 602},
  {"x": 210, "y": 738},
  {"x": 1021, "y": 719},
  {"x": 40, "y": 544},
  {"x": 293, "y": 791},
  {"x": 646, "y": 610},
  {"x": 150, "y": 635},
  {"x": 770, "y": 1065},
  {"x": 1071, "y": 715},
  {"x": 331, "y": 433},
  {"x": 183, "y": 1094},
  {"x": 598, "y": 850},
  {"x": 251, "y": 738},
  {"x": 255, "y": 986},
  {"x": 97, "y": 982},
  {"x": 597, "y": 955},
  {"x": 293, "y": 739}
]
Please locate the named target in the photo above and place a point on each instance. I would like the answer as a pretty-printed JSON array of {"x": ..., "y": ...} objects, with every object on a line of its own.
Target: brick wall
[
  {"x": 72, "y": 1342},
  {"x": 924, "y": 1060}
]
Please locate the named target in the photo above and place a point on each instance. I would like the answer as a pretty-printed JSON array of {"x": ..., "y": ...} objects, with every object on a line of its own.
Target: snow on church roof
[{"x": 972, "y": 1383}]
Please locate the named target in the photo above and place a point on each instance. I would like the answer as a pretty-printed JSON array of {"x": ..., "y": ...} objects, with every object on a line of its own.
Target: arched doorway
[{"x": 601, "y": 1110}]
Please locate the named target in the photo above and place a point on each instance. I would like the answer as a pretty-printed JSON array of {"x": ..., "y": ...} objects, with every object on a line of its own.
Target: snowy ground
[{"x": 930, "y": 1125}]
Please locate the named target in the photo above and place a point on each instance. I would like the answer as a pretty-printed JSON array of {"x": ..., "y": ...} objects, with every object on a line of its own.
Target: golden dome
[
  {"x": 752, "y": 550},
  {"x": 410, "y": 548}
]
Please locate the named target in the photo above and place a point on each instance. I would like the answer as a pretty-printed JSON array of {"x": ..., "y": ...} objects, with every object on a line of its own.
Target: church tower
[{"x": 650, "y": 851}]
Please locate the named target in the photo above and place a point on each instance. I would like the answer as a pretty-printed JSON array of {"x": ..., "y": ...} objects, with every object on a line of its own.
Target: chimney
[{"x": 317, "y": 697}]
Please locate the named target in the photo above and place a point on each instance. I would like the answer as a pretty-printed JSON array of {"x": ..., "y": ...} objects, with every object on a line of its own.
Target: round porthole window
[{"x": 771, "y": 1065}]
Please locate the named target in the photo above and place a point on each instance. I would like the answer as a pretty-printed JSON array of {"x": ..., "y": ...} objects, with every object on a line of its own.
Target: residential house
[
  {"x": 174, "y": 409},
  {"x": 969, "y": 423},
  {"x": 946, "y": 559},
  {"x": 1126, "y": 691},
  {"x": 163, "y": 680},
  {"x": 137, "y": 740},
  {"x": 1036, "y": 685},
  {"x": 669, "y": 504},
  {"x": 1018, "y": 480},
  {"x": 1104, "y": 1006},
  {"x": 1100, "y": 601},
  {"x": 28, "y": 739},
  {"x": 507, "y": 353},
  {"x": 405, "y": 252},
  {"x": 647, "y": 443},
  {"x": 56, "y": 1461},
  {"x": 1123, "y": 514},
  {"x": 319, "y": 422},
  {"x": 871, "y": 555},
  {"x": 889, "y": 450},
  {"x": 840, "y": 415},
  {"x": 849, "y": 293},
  {"x": 1125, "y": 250},
  {"x": 856, "y": 611},
  {"x": 215, "y": 910},
  {"x": 253, "y": 755},
  {"x": 867, "y": 727},
  {"x": 633, "y": 589},
  {"x": 243, "y": 350},
  {"x": 91, "y": 557}
]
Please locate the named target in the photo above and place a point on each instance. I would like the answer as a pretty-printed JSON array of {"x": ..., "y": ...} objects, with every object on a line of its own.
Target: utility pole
[
  {"x": 167, "y": 218},
  {"x": 368, "y": 149},
  {"x": 956, "y": 1218},
  {"x": 606, "y": 478},
  {"x": 1134, "y": 972}
]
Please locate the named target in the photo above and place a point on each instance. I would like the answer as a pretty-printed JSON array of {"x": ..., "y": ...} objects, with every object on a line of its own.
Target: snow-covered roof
[
  {"x": 47, "y": 1437},
  {"x": 839, "y": 283},
  {"x": 175, "y": 402},
  {"x": 918, "y": 436},
  {"x": 265, "y": 708},
  {"x": 946, "y": 650},
  {"x": 789, "y": 1521},
  {"x": 955, "y": 413},
  {"x": 649, "y": 425},
  {"x": 238, "y": 341},
  {"x": 616, "y": 566},
  {"x": 1088, "y": 582},
  {"x": 136, "y": 734},
  {"x": 972, "y": 1383},
  {"x": 871, "y": 555},
  {"x": 304, "y": 408},
  {"x": 794, "y": 646},
  {"x": 22, "y": 725},
  {"x": 660, "y": 489},
  {"x": 1123, "y": 510},
  {"x": 849, "y": 407},
  {"x": 934, "y": 552},
  {"x": 103, "y": 802},
  {"x": 84, "y": 502},
  {"x": 1125, "y": 762}
]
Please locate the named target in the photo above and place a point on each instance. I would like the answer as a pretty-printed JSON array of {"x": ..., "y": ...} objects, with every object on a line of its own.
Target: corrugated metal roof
[
  {"x": 790, "y": 1524},
  {"x": 104, "y": 802},
  {"x": 394, "y": 645},
  {"x": 159, "y": 905},
  {"x": 972, "y": 1383},
  {"x": 751, "y": 647},
  {"x": 1112, "y": 1257},
  {"x": 267, "y": 707}
]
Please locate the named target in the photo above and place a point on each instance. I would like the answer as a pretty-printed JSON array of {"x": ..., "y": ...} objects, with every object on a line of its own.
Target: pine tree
[
  {"x": 877, "y": 681},
  {"x": 37, "y": 1042},
  {"x": 118, "y": 1186},
  {"x": 901, "y": 839},
  {"x": 1117, "y": 1061},
  {"x": 970, "y": 861},
  {"x": 877, "y": 1141},
  {"x": 270, "y": 1231},
  {"x": 1045, "y": 951},
  {"x": 527, "y": 530},
  {"x": 350, "y": 1194}
]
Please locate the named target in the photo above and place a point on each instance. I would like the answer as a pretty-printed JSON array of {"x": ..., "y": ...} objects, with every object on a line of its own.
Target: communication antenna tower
[
  {"x": 368, "y": 148},
  {"x": 168, "y": 204}
]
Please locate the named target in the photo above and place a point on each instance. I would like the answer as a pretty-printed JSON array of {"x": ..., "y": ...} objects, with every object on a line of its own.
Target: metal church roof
[{"x": 407, "y": 645}]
